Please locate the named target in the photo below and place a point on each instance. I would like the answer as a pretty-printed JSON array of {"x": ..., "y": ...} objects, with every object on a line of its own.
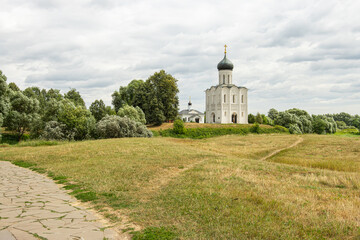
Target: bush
[
  {"x": 200, "y": 133},
  {"x": 77, "y": 119},
  {"x": 251, "y": 118},
  {"x": 294, "y": 129},
  {"x": 255, "y": 128},
  {"x": 56, "y": 131},
  {"x": 119, "y": 127},
  {"x": 133, "y": 113},
  {"x": 281, "y": 128},
  {"x": 179, "y": 127},
  {"x": 319, "y": 126}
]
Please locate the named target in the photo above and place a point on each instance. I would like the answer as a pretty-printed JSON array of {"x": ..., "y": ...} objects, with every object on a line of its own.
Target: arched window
[
  {"x": 228, "y": 79},
  {"x": 242, "y": 98},
  {"x": 234, "y": 98},
  {"x": 224, "y": 98},
  {"x": 213, "y": 117},
  {"x": 223, "y": 79}
]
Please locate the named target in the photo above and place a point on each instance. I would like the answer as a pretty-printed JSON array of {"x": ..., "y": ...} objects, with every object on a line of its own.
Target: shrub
[
  {"x": 255, "y": 128},
  {"x": 251, "y": 118},
  {"x": 77, "y": 119},
  {"x": 258, "y": 118},
  {"x": 56, "y": 131},
  {"x": 294, "y": 129},
  {"x": 319, "y": 126},
  {"x": 179, "y": 127},
  {"x": 119, "y": 127},
  {"x": 281, "y": 128},
  {"x": 133, "y": 113},
  {"x": 199, "y": 133}
]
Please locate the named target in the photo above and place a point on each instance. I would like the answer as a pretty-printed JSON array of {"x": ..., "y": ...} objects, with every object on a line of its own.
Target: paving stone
[
  {"x": 31, "y": 203},
  {"x": 6, "y": 235},
  {"x": 22, "y": 235}
]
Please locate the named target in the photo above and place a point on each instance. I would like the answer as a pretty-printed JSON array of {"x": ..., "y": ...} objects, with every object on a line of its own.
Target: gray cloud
[{"x": 289, "y": 54}]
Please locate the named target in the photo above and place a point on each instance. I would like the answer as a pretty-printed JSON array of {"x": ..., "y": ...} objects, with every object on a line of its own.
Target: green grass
[
  {"x": 200, "y": 133},
  {"x": 214, "y": 188},
  {"x": 155, "y": 233}
]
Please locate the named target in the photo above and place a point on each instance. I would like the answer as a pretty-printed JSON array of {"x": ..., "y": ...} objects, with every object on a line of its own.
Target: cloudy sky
[{"x": 303, "y": 54}]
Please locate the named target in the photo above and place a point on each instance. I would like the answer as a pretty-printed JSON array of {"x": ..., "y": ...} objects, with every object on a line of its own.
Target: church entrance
[
  {"x": 197, "y": 120},
  {"x": 234, "y": 118},
  {"x": 213, "y": 117}
]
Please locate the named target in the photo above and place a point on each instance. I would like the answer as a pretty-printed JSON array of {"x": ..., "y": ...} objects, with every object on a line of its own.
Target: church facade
[
  {"x": 191, "y": 115},
  {"x": 226, "y": 102}
]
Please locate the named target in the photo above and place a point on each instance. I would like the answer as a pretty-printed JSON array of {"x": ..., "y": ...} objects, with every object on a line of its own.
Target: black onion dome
[{"x": 225, "y": 64}]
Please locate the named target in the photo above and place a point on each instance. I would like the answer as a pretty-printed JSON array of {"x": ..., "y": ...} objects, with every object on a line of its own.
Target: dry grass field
[{"x": 215, "y": 188}]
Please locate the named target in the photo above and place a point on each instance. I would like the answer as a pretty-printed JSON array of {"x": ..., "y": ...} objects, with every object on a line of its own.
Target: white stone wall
[
  {"x": 225, "y": 77},
  {"x": 224, "y": 101},
  {"x": 187, "y": 116}
]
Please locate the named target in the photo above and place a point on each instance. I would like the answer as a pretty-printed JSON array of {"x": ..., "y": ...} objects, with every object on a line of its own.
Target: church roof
[
  {"x": 225, "y": 64},
  {"x": 191, "y": 112}
]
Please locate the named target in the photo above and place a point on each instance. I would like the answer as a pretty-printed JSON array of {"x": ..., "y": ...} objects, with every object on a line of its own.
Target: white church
[{"x": 226, "y": 102}]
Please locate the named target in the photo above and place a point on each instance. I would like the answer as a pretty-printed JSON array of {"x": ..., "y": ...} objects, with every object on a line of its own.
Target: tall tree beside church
[
  {"x": 157, "y": 97},
  {"x": 126, "y": 95},
  {"x": 75, "y": 97},
  {"x": 164, "y": 88},
  {"x": 4, "y": 101}
]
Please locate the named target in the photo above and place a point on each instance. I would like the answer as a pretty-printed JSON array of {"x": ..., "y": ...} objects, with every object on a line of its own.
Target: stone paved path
[{"x": 34, "y": 207}]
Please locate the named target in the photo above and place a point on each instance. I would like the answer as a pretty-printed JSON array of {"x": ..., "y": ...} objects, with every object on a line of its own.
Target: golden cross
[{"x": 225, "y": 48}]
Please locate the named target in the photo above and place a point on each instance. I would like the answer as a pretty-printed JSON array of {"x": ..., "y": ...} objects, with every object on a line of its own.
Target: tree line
[
  {"x": 299, "y": 121},
  {"x": 48, "y": 114}
]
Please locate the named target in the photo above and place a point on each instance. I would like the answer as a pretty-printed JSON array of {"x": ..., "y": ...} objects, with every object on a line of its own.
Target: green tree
[
  {"x": 75, "y": 97},
  {"x": 133, "y": 113},
  {"x": 251, "y": 118},
  {"x": 110, "y": 111},
  {"x": 127, "y": 95},
  {"x": 157, "y": 97},
  {"x": 4, "y": 100},
  {"x": 273, "y": 113},
  {"x": 52, "y": 94},
  {"x": 98, "y": 109},
  {"x": 14, "y": 87},
  {"x": 164, "y": 87},
  {"x": 78, "y": 120},
  {"x": 319, "y": 125},
  {"x": 23, "y": 113},
  {"x": 258, "y": 118},
  {"x": 264, "y": 119}
]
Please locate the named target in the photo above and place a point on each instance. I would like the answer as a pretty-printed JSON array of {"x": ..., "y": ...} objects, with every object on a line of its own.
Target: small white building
[
  {"x": 226, "y": 102},
  {"x": 191, "y": 115}
]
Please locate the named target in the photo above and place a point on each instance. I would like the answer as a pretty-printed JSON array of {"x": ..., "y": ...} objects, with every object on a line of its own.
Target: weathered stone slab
[{"x": 33, "y": 205}]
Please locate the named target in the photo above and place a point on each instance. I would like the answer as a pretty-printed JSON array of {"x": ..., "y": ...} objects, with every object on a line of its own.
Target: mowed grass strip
[
  {"x": 325, "y": 152},
  {"x": 215, "y": 188}
]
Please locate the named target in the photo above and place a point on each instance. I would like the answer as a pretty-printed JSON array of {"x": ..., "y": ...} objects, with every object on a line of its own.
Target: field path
[
  {"x": 32, "y": 206},
  {"x": 300, "y": 140}
]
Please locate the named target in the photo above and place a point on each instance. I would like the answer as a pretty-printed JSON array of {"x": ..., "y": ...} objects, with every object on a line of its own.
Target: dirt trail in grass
[
  {"x": 300, "y": 140},
  {"x": 172, "y": 173}
]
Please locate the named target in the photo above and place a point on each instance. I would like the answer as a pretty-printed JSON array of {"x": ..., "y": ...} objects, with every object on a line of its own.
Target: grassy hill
[{"x": 217, "y": 188}]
